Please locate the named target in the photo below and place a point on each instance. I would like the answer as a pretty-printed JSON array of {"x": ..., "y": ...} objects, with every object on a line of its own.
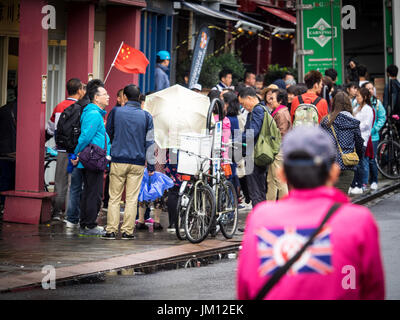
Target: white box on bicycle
[{"x": 198, "y": 144}]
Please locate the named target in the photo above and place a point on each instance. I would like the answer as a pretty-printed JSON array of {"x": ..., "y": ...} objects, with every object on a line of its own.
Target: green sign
[{"x": 322, "y": 34}]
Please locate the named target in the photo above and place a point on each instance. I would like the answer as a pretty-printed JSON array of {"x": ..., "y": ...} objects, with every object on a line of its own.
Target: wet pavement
[{"x": 25, "y": 249}]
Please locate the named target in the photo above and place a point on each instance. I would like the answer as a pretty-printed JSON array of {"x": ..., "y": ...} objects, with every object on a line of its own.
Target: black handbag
[
  {"x": 282, "y": 270},
  {"x": 95, "y": 158}
]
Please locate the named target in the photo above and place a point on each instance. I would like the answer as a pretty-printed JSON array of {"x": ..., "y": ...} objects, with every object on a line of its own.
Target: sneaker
[
  {"x": 357, "y": 190},
  {"x": 95, "y": 232},
  {"x": 150, "y": 221},
  {"x": 350, "y": 190},
  {"x": 374, "y": 186},
  {"x": 141, "y": 226},
  {"x": 157, "y": 226},
  {"x": 57, "y": 216},
  {"x": 109, "y": 236},
  {"x": 241, "y": 206},
  {"x": 171, "y": 229},
  {"x": 126, "y": 236},
  {"x": 71, "y": 225}
]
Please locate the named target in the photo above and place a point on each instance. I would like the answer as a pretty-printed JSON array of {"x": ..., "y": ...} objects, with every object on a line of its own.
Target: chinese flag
[{"x": 131, "y": 60}]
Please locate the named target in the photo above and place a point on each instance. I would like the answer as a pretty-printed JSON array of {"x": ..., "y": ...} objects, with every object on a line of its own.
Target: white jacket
[{"x": 366, "y": 118}]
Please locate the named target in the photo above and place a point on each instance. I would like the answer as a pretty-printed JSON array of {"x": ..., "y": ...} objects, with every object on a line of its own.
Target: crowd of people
[
  {"x": 351, "y": 115},
  {"x": 329, "y": 135}
]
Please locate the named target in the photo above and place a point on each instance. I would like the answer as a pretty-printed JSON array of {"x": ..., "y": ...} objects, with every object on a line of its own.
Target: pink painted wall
[
  {"x": 123, "y": 24},
  {"x": 80, "y": 39},
  {"x": 31, "y": 111}
]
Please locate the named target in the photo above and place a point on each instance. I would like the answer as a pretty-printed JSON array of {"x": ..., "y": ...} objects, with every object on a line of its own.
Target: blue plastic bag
[
  {"x": 70, "y": 167},
  {"x": 153, "y": 187}
]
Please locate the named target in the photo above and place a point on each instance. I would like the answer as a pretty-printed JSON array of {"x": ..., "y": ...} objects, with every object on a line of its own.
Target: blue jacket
[
  {"x": 347, "y": 129},
  {"x": 110, "y": 120},
  {"x": 133, "y": 133},
  {"x": 161, "y": 78},
  {"x": 92, "y": 129},
  {"x": 380, "y": 118}
]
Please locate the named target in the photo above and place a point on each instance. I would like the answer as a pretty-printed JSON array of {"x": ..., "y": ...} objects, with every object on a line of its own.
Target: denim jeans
[
  {"x": 371, "y": 166},
  {"x": 73, "y": 211},
  {"x": 361, "y": 172}
]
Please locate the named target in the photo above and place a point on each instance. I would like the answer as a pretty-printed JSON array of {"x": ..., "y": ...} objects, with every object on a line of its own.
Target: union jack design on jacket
[{"x": 276, "y": 247}]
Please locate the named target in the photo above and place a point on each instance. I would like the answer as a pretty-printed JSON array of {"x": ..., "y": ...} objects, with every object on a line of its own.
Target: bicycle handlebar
[
  {"x": 200, "y": 156},
  {"x": 234, "y": 144}
]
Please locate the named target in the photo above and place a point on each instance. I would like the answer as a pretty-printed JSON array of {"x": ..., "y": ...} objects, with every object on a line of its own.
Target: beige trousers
[
  {"x": 142, "y": 211},
  {"x": 123, "y": 175},
  {"x": 274, "y": 184}
]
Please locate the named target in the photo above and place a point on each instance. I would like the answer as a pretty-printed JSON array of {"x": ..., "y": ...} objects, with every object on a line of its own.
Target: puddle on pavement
[{"x": 193, "y": 262}]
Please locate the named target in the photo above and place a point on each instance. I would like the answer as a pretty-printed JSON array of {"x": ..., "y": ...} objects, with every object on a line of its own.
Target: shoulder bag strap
[
  {"x": 337, "y": 141},
  {"x": 301, "y": 101},
  {"x": 105, "y": 140},
  {"x": 334, "y": 133},
  {"x": 266, "y": 116},
  {"x": 282, "y": 270}
]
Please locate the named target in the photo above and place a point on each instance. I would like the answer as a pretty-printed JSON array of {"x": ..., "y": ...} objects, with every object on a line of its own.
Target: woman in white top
[{"x": 364, "y": 113}]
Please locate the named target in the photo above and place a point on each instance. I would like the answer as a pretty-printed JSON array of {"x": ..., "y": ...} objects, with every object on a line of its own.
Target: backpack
[
  {"x": 69, "y": 127},
  {"x": 269, "y": 141},
  {"x": 306, "y": 114}
]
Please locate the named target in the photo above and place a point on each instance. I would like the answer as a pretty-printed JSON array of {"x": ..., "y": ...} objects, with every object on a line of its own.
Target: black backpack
[{"x": 69, "y": 126}]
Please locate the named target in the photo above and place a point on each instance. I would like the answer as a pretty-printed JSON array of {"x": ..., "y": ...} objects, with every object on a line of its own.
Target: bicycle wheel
[
  {"x": 48, "y": 180},
  {"x": 199, "y": 216},
  {"x": 228, "y": 202},
  {"x": 388, "y": 159},
  {"x": 180, "y": 216}
]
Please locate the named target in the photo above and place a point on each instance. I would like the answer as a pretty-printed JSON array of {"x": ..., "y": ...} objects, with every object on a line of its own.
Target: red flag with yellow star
[{"x": 131, "y": 60}]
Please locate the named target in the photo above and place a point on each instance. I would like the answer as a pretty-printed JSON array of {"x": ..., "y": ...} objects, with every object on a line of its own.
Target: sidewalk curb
[
  {"x": 380, "y": 192},
  {"x": 173, "y": 254}
]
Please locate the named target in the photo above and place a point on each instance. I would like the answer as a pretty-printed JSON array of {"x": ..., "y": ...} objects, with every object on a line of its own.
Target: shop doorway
[
  {"x": 366, "y": 43},
  {"x": 8, "y": 69},
  {"x": 56, "y": 75}
]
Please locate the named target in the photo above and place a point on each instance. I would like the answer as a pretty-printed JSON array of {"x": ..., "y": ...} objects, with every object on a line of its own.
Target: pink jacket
[
  {"x": 344, "y": 262},
  {"x": 226, "y": 134}
]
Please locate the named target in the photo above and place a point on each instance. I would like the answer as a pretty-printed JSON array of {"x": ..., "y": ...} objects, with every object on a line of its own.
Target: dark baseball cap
[{"x": 313, "y": 141}]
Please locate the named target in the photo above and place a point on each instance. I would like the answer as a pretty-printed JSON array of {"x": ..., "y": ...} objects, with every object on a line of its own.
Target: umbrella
[{"x": 176, "y": 110}]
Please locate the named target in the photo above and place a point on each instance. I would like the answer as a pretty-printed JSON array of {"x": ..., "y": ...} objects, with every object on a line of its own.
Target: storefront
[{"x": 40, "y": 48}]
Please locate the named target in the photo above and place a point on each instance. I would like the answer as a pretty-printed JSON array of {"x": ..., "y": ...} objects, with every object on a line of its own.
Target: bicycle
[
  {"x": 222, "y": 205},
  {"x": 198, "y": 215},
  {"x": 388, "y": 151}
]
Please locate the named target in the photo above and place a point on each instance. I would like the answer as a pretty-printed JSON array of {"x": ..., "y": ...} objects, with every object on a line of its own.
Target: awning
[
  {"x": 280, "y": 14},
  {"x": 209, "y": 12},
  {"x": 136, "y": 3},
  {"x": 239, "y": 14}
]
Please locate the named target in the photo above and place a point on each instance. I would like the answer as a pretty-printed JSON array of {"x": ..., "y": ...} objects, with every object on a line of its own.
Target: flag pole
[{"x": 112, "y": 65}]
